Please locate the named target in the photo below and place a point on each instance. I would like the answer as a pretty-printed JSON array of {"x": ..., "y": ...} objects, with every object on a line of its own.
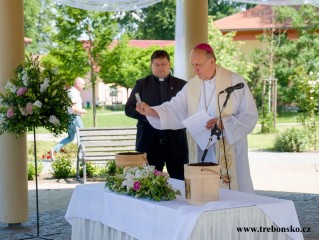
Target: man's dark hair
[{"x": 160, "y": 54}]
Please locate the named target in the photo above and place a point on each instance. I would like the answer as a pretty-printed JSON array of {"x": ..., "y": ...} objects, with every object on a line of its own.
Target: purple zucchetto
[{"x": 204, "y": 46}]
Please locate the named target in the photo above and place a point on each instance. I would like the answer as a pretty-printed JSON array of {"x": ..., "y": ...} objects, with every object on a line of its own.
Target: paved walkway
[{"x": 292, "y": 176}]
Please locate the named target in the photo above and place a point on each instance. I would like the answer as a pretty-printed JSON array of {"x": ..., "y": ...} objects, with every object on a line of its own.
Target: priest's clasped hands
[{"x": 145, "y": 109}]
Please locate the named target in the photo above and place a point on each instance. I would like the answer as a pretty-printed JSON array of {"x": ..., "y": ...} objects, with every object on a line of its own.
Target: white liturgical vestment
[{"x": 236, "y": 125}]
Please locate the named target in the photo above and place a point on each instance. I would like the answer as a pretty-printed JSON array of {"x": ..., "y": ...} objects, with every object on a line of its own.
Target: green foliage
[
  {"x": 63, "y": 165},
  {"x": 34, "y": 97},
  {"x": 31, "y": 13},
  {"x": 301, "y": 52},
  {"x": 158, "y": 16},
  {"x": 305, "y": 89},
  {"x": 75, "y": 57},
  {"x": 267, "y": 122},
  {"x": 92, "y": 170},
  {"x": 38, "y": 18},
  {"x": 292, "y": 140},
  {"x": 31, "y": 169},
  {"x": 281, "y": 57},
  {"x": 220, "y": 9},
  {"x": 62, "y": 168},
  {"x": 227, "y": 52},
  {"x": 145, "y": 23},
  {"x": 118, "y": 65},
  {"x": 124, "y": 64},
  {"x": 141, "y": 182}
]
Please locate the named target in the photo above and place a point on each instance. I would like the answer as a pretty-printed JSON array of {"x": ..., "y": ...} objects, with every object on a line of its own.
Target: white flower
[
  {"x": 53, "y": 119},
  {"x": 37, "y": 104},
  {"x": 10, "y": 86},
  {"x": 25, "y": 78},
  {"x": 44, "y": 85},
  {"x": 55, "y": 70},
  {"x": 22, "y": 111},
  {"x": 129, "y": 181},
  {"x": 2, "y": 118}
]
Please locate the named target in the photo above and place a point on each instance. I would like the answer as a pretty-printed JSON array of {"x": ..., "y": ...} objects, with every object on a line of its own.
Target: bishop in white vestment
[{"x": 201, "y": 93}]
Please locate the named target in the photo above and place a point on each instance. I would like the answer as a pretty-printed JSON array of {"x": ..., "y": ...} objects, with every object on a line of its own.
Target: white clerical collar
[
  {"x": 161, "y": 79},
  {"x": 210, "y": 81}
]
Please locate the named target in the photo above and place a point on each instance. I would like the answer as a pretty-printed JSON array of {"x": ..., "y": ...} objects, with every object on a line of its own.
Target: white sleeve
[
  {"x": 171, "y": 113},
  {"x": 244, "y": 115}
]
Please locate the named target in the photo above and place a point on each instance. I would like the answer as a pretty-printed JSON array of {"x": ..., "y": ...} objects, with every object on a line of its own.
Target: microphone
[{"x": 233, "y": 88}]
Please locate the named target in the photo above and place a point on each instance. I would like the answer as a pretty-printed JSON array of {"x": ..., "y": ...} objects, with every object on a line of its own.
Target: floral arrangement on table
[
  {"x": 141, "y": 182},
  {"x": 34, "y": 97}
]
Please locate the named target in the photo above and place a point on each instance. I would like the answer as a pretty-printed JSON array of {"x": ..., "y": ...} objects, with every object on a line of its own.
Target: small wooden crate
[
  {"x": 130, "y": 159},
  {"x": 201, "y": 183}
]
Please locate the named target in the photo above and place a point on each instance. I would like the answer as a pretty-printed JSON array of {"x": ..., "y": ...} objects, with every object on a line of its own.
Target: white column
[
  {"x": 196, "y": 26},
  {"x": 13, "y": 151},
  {"x": 181, "y": 61}
]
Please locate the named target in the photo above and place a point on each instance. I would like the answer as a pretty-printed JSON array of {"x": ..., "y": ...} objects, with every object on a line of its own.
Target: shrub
[
  {"x": 91, "y": 170},
  {"x": 31, "y": 169},
  {"x": 292, "y": 140},
  {"x": 62, "y": 168}
]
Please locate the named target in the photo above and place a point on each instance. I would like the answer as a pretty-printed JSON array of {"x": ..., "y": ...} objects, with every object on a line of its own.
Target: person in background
[
  {"x": 163, "y": 147},
  {"x": 74, "y": 95},
  {"x": 201, "y": 94}
]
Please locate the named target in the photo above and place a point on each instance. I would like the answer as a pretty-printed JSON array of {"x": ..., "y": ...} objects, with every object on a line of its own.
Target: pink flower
[
  {"x": 137, "y": 186},
  {"x": 21, "y": 91},
  {"x": 28, "y": 108},
  {"x": 10, "y": 113},
  {"x": 158, "y": 173}
]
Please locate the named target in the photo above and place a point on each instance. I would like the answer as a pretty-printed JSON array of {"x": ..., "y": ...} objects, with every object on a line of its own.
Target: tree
[
  {"x": 158, "y": 21},
  {"x": 124, "y": 64},
  {"x": 78, "y": 57},
  {"x": 38, "y": 17},
  {"x": 221, "y": 9},
  {"x": 264, "y": 75},
  {"x": 302, "y": 51},
  {"x": 145, "y": 23},
  {"x": 31, "y": 11},
  {"x": 227, "y": 52},
  {"x": 118, "y": 64}
]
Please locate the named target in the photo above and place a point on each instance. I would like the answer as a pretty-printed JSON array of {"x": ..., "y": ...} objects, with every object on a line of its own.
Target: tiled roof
[
  {"x": 257, "y": 18},
  {"x": 148, "y": 43},
  {"x": 139, "y": 43}
]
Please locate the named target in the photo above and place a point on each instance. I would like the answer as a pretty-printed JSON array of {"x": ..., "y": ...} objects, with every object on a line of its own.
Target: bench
[{"x": 101, "y": 145}]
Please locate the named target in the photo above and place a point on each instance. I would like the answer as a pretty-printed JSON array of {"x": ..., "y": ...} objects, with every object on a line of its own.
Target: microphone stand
[{"x": 217, "y": 132}]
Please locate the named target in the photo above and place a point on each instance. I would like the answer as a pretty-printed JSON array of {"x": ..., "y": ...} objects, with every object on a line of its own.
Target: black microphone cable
[{"x": 222, "y": 133}]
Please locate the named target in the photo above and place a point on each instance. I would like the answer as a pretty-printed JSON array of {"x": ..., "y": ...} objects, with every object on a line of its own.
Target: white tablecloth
[{"x": 97, "y": 210}]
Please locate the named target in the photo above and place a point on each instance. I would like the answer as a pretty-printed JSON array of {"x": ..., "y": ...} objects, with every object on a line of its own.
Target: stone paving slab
[{"x": 52, "y": 225}]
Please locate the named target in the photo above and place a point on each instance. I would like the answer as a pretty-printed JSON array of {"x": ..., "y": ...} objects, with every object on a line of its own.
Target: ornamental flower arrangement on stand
[
  {"x": 34, "y": 97},
  {"x": 141, "y": 182}
]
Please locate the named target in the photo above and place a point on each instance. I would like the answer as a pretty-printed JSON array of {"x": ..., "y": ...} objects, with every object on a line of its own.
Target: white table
[{"x": 96, "y": 213}]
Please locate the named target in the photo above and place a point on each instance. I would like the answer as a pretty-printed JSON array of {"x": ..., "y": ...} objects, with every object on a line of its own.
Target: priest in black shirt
[{"x": 162, "y": 146}]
